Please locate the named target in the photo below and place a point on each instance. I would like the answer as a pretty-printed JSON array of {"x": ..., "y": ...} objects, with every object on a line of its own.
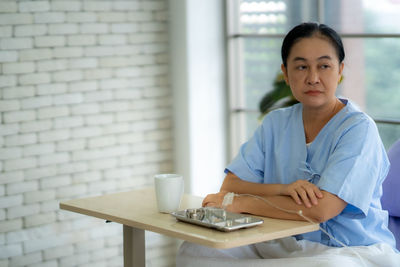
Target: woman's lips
[{"x": 313, "y": 92}]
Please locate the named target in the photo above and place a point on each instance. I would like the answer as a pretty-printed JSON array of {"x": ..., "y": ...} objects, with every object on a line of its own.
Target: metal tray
[{"x": 217, "y": 218}]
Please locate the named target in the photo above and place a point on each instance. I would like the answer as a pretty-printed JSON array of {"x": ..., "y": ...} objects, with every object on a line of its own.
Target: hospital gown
[{"x": 346, "y": 158}]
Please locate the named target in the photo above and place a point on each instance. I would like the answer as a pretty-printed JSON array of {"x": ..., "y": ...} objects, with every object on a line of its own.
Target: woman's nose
[{"x": 312, "y": 77}]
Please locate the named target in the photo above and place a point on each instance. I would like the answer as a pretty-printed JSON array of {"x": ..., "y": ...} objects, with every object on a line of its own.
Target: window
[{"x": 371, "y": 37}]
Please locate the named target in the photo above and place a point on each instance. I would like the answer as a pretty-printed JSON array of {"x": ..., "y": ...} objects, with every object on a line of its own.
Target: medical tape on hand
[{"x": 228, "y": 199}]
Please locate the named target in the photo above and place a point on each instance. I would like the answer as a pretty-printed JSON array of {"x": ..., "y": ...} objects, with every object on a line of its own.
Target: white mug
[{"x": 169, "y": 191}]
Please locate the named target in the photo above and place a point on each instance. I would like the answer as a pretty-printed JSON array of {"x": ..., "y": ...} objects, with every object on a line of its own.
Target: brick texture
[{"x": 85, "y": 110}]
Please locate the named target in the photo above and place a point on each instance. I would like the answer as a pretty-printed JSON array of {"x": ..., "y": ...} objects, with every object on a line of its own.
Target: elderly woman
[{"x": 322, "y": 156}]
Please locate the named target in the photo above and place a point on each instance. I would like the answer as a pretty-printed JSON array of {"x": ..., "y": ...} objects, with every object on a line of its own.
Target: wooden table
[{"x": 137, "y": 211}]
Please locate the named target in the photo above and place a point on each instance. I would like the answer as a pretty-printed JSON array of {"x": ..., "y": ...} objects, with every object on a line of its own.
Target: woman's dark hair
[{"x": 308, "y": 29}]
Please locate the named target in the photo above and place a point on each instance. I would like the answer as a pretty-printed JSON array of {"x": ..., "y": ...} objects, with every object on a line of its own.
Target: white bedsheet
[{"x": 288, "y": 252}]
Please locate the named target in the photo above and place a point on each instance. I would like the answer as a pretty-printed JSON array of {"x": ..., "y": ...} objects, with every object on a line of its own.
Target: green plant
[{"x": 280, "y": 96}]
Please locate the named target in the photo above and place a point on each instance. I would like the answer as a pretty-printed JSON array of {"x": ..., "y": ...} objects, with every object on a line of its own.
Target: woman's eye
[{"x": 325, "y": 66}]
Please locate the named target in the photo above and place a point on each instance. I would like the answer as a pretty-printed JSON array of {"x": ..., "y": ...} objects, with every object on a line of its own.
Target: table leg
[{"x": 134, "y": 247}]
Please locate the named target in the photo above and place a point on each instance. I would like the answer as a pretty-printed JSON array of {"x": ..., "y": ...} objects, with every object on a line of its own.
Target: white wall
[
  {"x": 85, "y": 110},
  {"x": 198, "y": 82}
]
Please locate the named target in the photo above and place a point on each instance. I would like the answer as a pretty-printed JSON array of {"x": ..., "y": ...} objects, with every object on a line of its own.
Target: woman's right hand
[{"x": 302, "y": 192}]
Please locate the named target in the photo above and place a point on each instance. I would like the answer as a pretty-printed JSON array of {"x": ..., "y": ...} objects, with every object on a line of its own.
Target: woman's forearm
[
  {"x": 283, "y": 207},
  {"x": 232, "y": 183}
]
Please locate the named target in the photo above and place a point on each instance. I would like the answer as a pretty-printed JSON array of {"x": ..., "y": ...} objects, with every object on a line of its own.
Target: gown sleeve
[
  {"x": 249, "y": 164},
  {"x": 357, "y": 167}
]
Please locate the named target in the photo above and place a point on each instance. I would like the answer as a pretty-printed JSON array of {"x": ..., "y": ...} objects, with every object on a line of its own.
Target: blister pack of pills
[{"x": 217, "y": 218}]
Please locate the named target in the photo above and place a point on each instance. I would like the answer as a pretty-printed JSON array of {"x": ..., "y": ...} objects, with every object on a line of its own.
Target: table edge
[{"x": 182, "y": 236}]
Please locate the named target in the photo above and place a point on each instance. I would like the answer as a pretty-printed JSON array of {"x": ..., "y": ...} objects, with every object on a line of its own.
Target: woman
[{"x": 322, "y": 156}]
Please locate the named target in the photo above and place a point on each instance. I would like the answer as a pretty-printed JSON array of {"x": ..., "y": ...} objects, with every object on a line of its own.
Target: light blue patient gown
[{"x": 347, "y": 159}]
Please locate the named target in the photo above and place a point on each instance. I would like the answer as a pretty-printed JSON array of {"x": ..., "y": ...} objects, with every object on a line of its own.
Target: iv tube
[{"x": 228, "y": 200}]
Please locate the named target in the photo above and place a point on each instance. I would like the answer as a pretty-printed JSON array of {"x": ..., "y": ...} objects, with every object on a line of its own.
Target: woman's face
[{"x": 313, "y": 72}]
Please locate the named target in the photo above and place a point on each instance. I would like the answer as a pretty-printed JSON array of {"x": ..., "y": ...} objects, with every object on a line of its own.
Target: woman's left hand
[{"x": 303, "y": 192}]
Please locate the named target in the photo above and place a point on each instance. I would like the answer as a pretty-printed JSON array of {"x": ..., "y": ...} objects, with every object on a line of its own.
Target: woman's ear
[{"x": 285, "y": 74}]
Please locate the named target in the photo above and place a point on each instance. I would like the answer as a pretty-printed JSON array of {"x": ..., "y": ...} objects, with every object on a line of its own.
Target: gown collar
[{"x": 337, "y": 116}]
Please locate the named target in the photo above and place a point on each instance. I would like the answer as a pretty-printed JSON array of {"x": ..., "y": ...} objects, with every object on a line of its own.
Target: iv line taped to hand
[{"x": 228, "y": 200}]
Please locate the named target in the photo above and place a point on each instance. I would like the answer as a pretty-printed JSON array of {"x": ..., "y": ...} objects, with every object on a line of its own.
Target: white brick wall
[{"x": 85, "y": 109}]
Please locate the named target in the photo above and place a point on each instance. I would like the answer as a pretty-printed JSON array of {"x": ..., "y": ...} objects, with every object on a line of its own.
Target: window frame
[{"x": 236, "y": 105}]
